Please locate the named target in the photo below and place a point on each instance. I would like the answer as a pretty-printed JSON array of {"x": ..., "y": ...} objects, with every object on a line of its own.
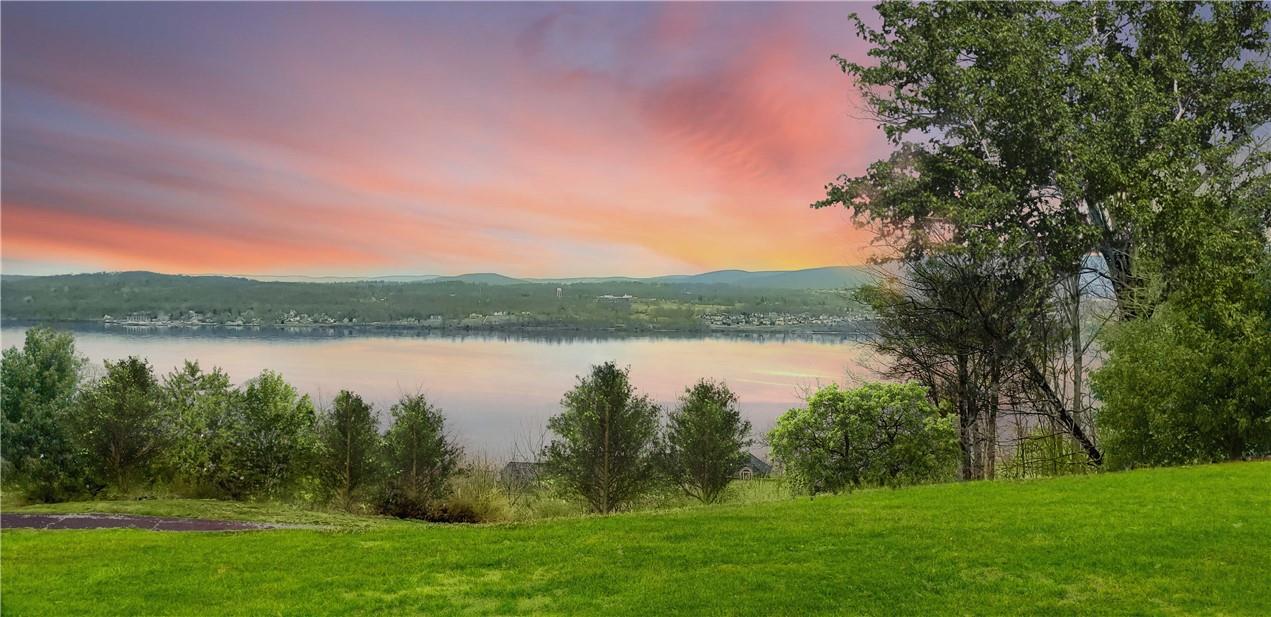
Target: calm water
[{"x": 495, "y": 389}]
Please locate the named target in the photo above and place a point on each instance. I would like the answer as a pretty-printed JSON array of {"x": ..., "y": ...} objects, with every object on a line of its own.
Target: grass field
[{"x": 1171, "y": 541}]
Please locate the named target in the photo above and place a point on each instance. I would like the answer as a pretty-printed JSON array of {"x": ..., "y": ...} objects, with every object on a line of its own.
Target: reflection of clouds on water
[{"x": 491, "y": 387}]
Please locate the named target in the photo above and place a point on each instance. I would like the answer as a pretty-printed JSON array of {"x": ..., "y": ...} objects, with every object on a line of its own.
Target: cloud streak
[{"x": 530, "y": 139}]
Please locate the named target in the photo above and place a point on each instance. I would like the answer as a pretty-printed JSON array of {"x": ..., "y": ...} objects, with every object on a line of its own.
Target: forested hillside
[{"x": 141, "y": 297}]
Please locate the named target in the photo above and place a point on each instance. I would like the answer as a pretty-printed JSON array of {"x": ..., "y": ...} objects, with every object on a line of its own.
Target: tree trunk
[
  {"x": 1062, "y": 415},
  {"x": 966, "y": 421},
  {"x": 1116, "y": 256},
  {"x": 990, "y": 428}
]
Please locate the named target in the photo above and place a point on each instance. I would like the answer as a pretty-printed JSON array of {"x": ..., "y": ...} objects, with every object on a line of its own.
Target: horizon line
[{"x": 433, "y": 275}]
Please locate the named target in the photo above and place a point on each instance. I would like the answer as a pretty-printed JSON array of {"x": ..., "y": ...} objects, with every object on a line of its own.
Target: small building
[
  {"x": 755, "y": 467},
  {"x": 520, "y": 473},
  {"x": 623, "y": 300}
]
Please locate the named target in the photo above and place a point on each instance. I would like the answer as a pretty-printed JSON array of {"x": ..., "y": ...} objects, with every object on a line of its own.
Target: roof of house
[
  {"x": 522, "y": 468},
  {"x": 758, "y": 465}
]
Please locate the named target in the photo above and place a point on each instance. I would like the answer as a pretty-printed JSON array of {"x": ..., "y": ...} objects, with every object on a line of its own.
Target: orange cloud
[{"x": 544, "y": 140}]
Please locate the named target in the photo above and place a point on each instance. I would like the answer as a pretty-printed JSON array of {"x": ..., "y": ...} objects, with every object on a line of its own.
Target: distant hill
[
  {"x": 833, "y": 277},
  {"x": 406, "y": 278},
  {"x": 480, "y": 278},
  {"x": 480, "y": 300}
]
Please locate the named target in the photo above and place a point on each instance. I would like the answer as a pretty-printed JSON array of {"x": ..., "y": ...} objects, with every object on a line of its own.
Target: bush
[
  {"x": 1179, "y": 390},
  {"x": 200, "y": 409},
  {"x": 477, "y": 492},
  {"x": 878, "y": 434},
  {"x": 393, "y": 501},
  {"x": 274, "y": 442},
  {"x": 472, "y": 497},
  {"x": 119, "y": 422},
  {"x": 38, "y": 383}
]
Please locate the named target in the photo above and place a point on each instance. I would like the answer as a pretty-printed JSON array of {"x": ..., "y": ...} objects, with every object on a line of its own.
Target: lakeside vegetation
[
  {"x": 192, "y": 433},
  {"x": 1166, "y": 541},
  {"x": 156, "y": 299},
  {"x": 1078, "y": 210}
]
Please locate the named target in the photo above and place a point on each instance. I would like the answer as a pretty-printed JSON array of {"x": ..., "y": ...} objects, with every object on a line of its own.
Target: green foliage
[
  {"x": 119, "y": 422},
  {"x": 1074, "y": 127},
  {"x": 705, "y": 440},
  {"x": 877, "y": 434},
  {"x": 1176, "y": 390},
  {"x": 202, "y": 410},
  {"x": 605, "y": 445},
  {"x": 350, "y": 452},
  {"x": 1054, "y": 131},
  {"x": 275, "y": 439},
  {"x": 420, "y": 457},
  {"x": 656, "y": 305},
  {"x": 37, "y": 389}
]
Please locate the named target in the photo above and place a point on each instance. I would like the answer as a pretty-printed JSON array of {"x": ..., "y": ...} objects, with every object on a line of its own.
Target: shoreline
[{"x": 864, "y": 331}]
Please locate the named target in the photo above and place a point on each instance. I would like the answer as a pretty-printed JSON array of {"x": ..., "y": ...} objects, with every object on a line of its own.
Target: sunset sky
[{"x": 342, "y": 139}]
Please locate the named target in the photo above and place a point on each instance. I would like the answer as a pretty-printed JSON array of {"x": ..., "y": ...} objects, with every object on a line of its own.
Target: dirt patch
[{"x": 122, "y": 521}]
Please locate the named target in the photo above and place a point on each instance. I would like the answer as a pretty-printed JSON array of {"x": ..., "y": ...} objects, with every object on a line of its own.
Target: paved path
[{"x": 123, "y": 521}]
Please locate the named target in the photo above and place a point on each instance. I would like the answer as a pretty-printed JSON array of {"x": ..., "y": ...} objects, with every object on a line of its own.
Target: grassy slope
[
  {"x": 218, "y": 510},
  {"x": 1172, "y": 541}
]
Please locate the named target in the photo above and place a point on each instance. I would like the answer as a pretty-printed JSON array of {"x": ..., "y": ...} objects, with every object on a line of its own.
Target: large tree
[
  {"x": 706, "y": 440},
  {"x": 201, "y": 413},
  {"x": 1043, "y": 134},
  {"x": 1081, "y": 126},
  {"x": 605, "y": 440}
]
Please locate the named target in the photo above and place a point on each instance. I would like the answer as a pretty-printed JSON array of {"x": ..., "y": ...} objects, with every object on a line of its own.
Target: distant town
[
  {"x": 146, "y": 299},
  {"x": 769, "y": 321}
]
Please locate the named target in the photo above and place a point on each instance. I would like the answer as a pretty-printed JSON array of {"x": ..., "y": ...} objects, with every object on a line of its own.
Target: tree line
[
  {"x": 197, "y": 433},
  {"x": 222, "y": 300},
  {"x": 193, "y": 432}
]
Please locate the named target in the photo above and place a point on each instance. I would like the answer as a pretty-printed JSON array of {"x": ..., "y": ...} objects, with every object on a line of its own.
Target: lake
[{"x": 496, "y": 389}]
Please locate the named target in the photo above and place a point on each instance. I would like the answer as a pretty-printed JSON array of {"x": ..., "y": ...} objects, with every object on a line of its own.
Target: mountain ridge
[{"x": 827, "y": 277}]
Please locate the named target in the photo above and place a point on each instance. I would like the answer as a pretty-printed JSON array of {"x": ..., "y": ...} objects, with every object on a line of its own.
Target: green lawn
[
  {"x": 221, "y": 510},
  {"x": 1173, "y": 541}
]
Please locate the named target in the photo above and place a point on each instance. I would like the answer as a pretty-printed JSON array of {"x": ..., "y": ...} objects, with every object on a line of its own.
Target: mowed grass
[
  {"x": 1182, "y": 541},
  {"x": 279, "y": 513}
]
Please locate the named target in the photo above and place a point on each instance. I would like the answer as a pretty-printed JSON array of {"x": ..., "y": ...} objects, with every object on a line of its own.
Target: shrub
[
  {"x": 878, "y": 434},
  {"x": 38, "y": 383},
  {"x": 604, "y": 450},
  {"x": 393, "y": 501},
  {"x": 1177, "y": 389},
  {"x": 274, "y": 439},
  {"x": 477, "y": 492},
  {"x": 472, "y": 497},
  {"x": 706, "y": 440},
  {"x": 200, "y": 409},
  {"x": 119, "y": 422}
]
